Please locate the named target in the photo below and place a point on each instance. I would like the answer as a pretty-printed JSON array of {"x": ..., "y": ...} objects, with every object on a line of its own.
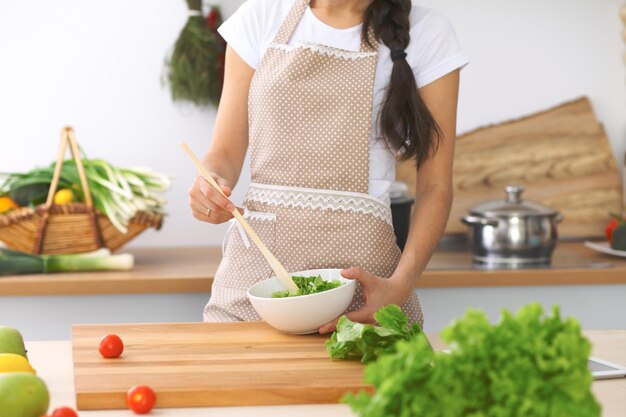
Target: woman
[{"x": 333, "y": 91}]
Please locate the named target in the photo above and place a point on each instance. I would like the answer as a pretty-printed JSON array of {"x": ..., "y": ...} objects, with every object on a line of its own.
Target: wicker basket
[{"x": 69, "y": 228}]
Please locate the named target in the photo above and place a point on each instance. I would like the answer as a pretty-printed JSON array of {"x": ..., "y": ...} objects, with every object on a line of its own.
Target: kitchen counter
[
  {"x": 53, "y": 361},
  {"x": 191, "y": 270},
  {"x": 174, "y": 284}
]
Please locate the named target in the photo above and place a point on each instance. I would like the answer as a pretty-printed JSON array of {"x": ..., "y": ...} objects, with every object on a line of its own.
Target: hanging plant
[{"x": 195, "y": 69}]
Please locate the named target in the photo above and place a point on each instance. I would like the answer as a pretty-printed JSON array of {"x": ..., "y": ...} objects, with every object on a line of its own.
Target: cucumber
[
  {"x": 31, "y": 194},
  {"x": 14, "y": 262}
]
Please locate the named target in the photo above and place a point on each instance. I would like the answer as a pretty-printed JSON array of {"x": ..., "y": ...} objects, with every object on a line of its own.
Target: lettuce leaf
[
  {"x": 366, "y": 342},
  {"x": 308, "y": 285},
  {"x": 527, "y": 365}
]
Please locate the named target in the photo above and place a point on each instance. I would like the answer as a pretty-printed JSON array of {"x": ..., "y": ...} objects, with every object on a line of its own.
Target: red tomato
[
  {"x": 64, "y": 412},
  {"x": 140, "y": 399},
  {"x": 111, "y": 346},
  {"x": 613, "y": 224}
]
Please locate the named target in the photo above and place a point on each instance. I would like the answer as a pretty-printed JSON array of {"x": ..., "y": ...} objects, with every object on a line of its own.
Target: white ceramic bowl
[{"x": 306, "y": 313}]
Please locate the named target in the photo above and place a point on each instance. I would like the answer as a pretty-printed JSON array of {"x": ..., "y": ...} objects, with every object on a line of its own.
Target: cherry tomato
[
  {"x": 610, "y": 227},
  {"x": 111, "y": 346},
  {"x": 140, "y": 399},
  {"x": 64, "y": 412}
]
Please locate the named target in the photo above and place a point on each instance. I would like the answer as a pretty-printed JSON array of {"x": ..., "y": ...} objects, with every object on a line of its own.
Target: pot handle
[
  {"x": 472, "y": 220},
  {"x": 559, "y": 218}
]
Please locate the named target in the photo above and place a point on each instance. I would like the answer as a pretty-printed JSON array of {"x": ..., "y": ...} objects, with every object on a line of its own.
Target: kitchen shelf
[{"x": 191, "y": 270}]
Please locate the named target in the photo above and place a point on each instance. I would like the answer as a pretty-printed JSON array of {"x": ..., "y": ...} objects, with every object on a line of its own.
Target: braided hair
[{"x": 405, "y": 121}]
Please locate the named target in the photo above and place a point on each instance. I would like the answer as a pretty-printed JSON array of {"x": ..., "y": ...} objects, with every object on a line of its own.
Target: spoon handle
[{"x": 277, "y": 267}]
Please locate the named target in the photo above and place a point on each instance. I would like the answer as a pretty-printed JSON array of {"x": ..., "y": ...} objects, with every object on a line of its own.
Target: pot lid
[
  {"x": 512, "y": 205},
  {"x": 398, "y": 189}
]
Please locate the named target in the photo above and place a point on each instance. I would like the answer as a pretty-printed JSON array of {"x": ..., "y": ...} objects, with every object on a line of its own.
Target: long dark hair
[{"x": 405, "y": 122}]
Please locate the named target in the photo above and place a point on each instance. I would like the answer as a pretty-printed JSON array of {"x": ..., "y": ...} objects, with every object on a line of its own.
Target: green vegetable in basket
[
  {"x": 119, "y": 193},
  {"x": 527, "y": 365},
  {"x": 30, "y": 194},
  {"x": 308, "y": 285},
  {"x": 14, "y": 262}
]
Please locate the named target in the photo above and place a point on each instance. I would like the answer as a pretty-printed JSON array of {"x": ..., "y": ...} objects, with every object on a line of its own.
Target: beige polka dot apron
[{"x": 309, "y": 112}]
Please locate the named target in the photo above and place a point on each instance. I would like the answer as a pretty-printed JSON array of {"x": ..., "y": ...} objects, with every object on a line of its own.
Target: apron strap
[
  {"x": 244, "y": 236},
  {"x": 295, "y": 15},
  {"x": 291, "y": 21}
]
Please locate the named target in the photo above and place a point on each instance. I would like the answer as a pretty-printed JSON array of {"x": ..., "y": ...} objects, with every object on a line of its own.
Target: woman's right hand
[{"x": 207, "y": 204}]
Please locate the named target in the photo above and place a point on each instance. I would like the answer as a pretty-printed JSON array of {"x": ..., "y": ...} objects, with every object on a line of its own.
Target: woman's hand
[
  {"x": 229, "y": 144},
  {"x": 207, "y": 204},
  {"x": 377, "y": 293}
]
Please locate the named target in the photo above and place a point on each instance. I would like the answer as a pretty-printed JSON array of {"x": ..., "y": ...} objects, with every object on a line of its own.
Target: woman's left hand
[{"x": 377, "y": 293}]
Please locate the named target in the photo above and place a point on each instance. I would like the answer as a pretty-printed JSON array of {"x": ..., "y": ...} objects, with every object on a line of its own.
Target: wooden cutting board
[
  {"x": 209, "y": 364},
  {"x": 561, "y": 156}
]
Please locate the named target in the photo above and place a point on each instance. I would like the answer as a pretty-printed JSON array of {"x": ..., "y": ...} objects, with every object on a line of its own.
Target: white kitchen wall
[{"x": 97, "y": 67}]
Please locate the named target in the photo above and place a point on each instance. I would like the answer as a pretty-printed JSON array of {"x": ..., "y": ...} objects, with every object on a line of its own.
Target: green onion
[
  {"x": 14, "y": 262},
  {"x": 119, "y": 193}
]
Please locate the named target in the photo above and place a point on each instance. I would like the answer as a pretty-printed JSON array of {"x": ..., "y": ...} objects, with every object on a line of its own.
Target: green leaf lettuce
[
  {"x": 527, "y": 365},
  {"x": 367, "y": 342}
]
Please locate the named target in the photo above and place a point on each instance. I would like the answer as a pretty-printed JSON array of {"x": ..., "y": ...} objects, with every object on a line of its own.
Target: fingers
[
  {"x": 328, "y": 327},
  {"x": 201, "y": 212},
  {"x": 205, "y": 218},
  {"x": 203, "y": 197},
  {"x": 225, "y": 187},
  {"x": 361, "y": 315},
  {"x": 358, "y": 274},
  {"x": 205, "y": 189}
]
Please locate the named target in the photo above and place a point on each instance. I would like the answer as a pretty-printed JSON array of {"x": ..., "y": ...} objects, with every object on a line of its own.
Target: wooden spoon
[{"x": 277, "y": 267}]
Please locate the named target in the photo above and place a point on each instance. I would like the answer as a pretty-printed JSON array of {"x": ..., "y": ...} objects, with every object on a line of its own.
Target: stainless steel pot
[{"x": 512, "y": 233}]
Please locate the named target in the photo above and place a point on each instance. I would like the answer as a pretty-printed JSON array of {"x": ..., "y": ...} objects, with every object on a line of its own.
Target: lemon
[
  {"x": 11, "y": 362},
  {"x": 63, "y": 196}
]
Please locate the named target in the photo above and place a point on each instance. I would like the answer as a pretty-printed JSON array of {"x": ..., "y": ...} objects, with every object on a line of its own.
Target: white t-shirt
[{"x": 432, "y": 53}]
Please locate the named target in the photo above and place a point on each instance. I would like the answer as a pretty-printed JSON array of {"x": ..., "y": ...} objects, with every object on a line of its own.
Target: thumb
[
  {"x": 360, "y": 316},
  {"x": 358, "y": 274},
  {"x": 329, "y": 327},
  {"x": 224, "y": 185}
]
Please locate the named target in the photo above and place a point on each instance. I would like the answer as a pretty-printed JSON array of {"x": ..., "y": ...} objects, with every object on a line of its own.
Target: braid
[{"x": 404, "y": 119}]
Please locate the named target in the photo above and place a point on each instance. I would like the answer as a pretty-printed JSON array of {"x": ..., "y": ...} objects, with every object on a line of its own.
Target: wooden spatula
[{"x": 277, "y": 267}]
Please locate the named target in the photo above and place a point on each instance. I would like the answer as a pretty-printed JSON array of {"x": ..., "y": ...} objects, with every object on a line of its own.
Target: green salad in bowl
[
  {"x": 322, "y": 296},
  {"x": 308, "y": 285}
]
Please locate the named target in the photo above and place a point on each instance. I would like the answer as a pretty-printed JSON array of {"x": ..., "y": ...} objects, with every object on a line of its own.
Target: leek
[
  {"x": 15, "y": 263},
  {"x": 119, "y": 193}
]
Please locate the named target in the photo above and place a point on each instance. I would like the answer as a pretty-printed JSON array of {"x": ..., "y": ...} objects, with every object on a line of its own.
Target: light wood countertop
[
  {"x": 53, "y": 362},
  {"x": 185, "y": 270}
]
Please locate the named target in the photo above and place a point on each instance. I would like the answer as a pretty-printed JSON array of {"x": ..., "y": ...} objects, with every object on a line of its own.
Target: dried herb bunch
[{"x": 195, "y": 69}]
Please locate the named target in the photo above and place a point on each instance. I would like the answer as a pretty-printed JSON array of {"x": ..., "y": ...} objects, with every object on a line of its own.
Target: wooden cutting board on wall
[
  {"x": 209, "y": 364},
  {"x": 561, "y": 156}
]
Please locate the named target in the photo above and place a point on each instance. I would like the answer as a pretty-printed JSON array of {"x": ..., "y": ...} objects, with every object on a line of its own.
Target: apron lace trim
[
  {"x": 323, "y": 49},
  {"x": 319, "y": 199}
]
